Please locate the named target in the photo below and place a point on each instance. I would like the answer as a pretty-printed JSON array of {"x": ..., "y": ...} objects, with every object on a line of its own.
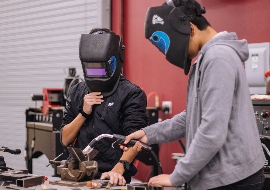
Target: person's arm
[
  {"x": 128, "y": 156},
  {"x": 161, "y": 132},
  {"x": 134, "y": 118},
  {"x": 168, "y": 130},
  {"x": 71, "y": 130},
  {"x": 134, "y": 111},
  {"x": 116, "y": 174}
]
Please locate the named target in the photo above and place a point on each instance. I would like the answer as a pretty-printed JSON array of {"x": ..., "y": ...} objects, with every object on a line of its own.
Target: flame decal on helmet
[{"x": 157, "y": 20}]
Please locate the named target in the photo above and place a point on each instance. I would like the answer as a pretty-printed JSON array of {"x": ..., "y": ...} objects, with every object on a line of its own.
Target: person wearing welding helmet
[
  {"x": 105, "y": 103},
  {"x": 223, "y": 148}
]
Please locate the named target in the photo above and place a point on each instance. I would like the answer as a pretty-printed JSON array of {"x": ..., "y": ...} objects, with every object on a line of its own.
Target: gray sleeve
[{"x": 167, "y": 130}]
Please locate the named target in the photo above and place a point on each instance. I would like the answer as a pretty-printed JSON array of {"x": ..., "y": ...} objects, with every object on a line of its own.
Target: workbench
[{"x": 49, "y": 185}]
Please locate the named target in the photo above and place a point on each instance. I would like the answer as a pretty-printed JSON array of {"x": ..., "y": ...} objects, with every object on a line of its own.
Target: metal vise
[
  {"x": 82, "y": 168},
  {"x": 78, "y": 171}
]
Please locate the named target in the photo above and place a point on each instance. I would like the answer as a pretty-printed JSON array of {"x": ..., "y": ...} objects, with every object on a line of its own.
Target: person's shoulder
[
  {"x": 79, "y": 88},
  {"x": 224, "y": 45},
  {"x": 127, "y": 89},
  {"x": 126, "y": 84}
]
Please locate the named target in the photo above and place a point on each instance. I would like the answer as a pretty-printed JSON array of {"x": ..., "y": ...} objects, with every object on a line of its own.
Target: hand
[
  {"x": 136, "y": 148},
  {"x": 91, "y": 99},
  {"x": 138, "y": 135},
  {"x": 115, "y": 178},
  {"x": 162, "y": 180}
]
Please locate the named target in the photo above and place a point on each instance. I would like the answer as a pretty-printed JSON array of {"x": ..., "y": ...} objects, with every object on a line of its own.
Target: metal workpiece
[
  {"x": 144, "y": 186},
  {"x": 137, "y": 186},
  {"x": 159, "y": 187},
  {"x": 30, "y": 181},
  {"x": 92, "y": 154},
  {"x": 21, "y": 178},
  {"x": 11, "y": 177},
  {"x": 76, "y": 154}
]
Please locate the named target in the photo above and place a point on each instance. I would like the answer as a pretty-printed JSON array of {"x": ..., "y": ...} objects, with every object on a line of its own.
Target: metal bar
[{"x": 30, "y": 181}]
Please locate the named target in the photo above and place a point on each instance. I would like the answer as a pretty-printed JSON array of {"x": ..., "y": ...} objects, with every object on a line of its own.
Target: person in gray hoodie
[{"x": 223, "y": 148}]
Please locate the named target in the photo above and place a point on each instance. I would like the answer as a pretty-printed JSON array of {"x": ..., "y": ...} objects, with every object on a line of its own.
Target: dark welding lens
[{"x": 95, "y": 69}]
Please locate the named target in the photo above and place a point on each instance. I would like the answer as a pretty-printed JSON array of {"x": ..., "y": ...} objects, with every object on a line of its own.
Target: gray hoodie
[{"x": 222, "y": 140}]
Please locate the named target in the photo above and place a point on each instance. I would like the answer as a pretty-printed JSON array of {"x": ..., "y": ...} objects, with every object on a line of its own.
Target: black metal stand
[{"x": 43, "y": 136}]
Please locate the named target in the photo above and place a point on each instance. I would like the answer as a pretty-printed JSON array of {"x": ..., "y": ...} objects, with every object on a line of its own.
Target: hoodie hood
[
  {"x": 222, "y": 38},
  {"x": 231, "y": 40}
]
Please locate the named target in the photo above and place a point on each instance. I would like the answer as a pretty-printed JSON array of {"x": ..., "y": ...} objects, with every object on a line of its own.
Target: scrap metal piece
[
  {"x": 144, "y": 186},
  {"x": 78, "y": 184},
  {"x": 137, "y": 186},
  {"x": 159, "y": 187},
  {"x": 21, "y": 178},
  {"x": 30, "y": 181},
  {"x": 92, "y": 154},
  {"x": 68, "y": 183},
  {"x": 77, "y": 154}
]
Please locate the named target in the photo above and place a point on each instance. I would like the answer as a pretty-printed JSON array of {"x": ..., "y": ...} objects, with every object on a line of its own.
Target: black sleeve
[
  {"x": 73, "y": 102},
  {"x": 134, "y": 111}
]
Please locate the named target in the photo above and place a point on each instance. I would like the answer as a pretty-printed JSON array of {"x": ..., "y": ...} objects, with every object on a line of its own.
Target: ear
[{"x": 192, "y": 32}]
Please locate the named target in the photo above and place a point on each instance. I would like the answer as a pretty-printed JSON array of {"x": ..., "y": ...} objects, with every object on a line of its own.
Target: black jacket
[{"x": 121, "y": 113}]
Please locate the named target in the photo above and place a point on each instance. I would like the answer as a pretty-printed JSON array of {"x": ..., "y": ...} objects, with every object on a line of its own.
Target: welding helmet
[
  {"x": 101, "y": 55},
  {"x": 168, "y": 28}
]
